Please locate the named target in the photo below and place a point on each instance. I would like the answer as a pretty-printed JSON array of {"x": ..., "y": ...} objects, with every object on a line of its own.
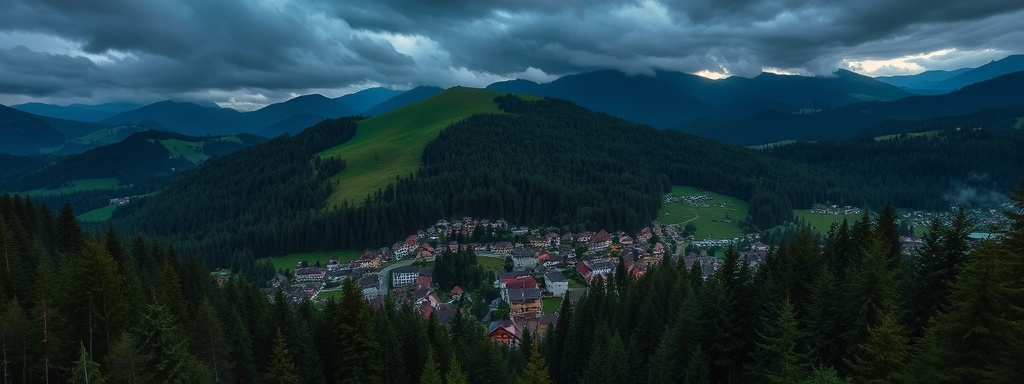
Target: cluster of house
[
  {"x": 836, "y": 210},
  {"x": 525, "y": 298},
  {"x": 415, "y": 286},
  {"x": 701, "y": 200}
]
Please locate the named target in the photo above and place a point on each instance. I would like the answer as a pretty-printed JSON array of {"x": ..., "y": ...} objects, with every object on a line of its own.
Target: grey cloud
[{"x": 203, "y": 47}]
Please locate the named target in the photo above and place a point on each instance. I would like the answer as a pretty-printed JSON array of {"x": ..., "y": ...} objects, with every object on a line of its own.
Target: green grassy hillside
[
  {"x": 822, "y": 222},
  {"x": 715, "y": 218},
  {"x": 392, "y": 144},
  {"x": 98, "y": 214},
  {"x": 74, "y": 186}
]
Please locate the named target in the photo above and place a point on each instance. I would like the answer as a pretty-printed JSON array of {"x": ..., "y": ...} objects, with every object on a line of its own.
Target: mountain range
[
  {"x": 671, "y": 98},
  {"x": 763, "y": 109},
  {"x": 846, "y": 122},
  {"x": 936, "y": 82}
]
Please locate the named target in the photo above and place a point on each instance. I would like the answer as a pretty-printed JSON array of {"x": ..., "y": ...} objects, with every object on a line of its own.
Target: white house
[
  {"x": 556, "y": 283},
  {"x": 404, "y": 275}
]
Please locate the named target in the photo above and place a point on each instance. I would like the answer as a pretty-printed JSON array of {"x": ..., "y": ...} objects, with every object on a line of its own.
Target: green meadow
[
  {"x": 822, "y": 223},
  {"x": 392, "y": 144},
  {"x": 75, "y": 186},
  {"x": 718, "y": 220},
  {"x": 289, "y": 261},
  {"x": 191, "y": 151},
  {"x": 908, "y": 135},
  {"x": 98, "y": 214}
]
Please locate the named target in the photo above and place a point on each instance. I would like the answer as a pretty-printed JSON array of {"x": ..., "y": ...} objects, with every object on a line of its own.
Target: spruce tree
[
  {"x": 780, "y": 354},
  {"x": 536, "y": 371},
  {"x": 882, "y": 357},
  {"x": 431, "y": 373},
  {"x": 282, "y": 368},
  {"x": 85, "y": 370},
  {"x": 978, "y": 336},
  {"x": 454, "y": 375}
]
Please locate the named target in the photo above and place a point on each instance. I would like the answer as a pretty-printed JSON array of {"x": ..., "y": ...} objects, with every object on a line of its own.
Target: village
[{"x": 541, "y": 268}]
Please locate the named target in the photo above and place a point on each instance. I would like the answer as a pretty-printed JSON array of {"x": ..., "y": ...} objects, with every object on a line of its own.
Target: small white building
[
  {"x": 556, "y": 283},
  {"x": 404, "y": 276}
]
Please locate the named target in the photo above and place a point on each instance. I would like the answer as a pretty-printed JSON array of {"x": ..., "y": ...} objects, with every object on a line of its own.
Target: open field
[
  {"x": 492, "y": 264},
  {"x": 332, "y": 294},
  {"x": 75, "y": 186},
  {"x": 289, "y": 261},
  {"x": 551, "y": 304},
  {"x": 98, "y": 214},
  {"x": 907, "y": 135},
  {"x": 191, "y": 151},
  {"x": 822, "y": 223},
  {"x": 392, "y": 144},
  {"x": 717, "y": 220}
]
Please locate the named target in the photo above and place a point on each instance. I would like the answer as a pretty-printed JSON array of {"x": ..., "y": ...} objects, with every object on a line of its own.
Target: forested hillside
[
  {"x": 848, "y": 307},
  {"x": 248, "y": 199},
  {"x": 927, "y": 172},
  {"x": 546, "y": 162},
  {"x": 119, "y": 310}
]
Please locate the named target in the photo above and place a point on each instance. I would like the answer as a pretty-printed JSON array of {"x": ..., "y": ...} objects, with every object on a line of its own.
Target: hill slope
[
  {"x": 392, "y": 144},
  {"x": 22, "y": 133},
  {"x": 140, "y": 157},
  {"x": 402, "y": 99},
  {"x": 363, "y": 100},
  {"x": 543, "y": 162}
]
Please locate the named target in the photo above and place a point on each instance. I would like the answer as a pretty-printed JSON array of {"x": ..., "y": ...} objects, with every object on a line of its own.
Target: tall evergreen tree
[
  {"x": 882, "y": 357},
  {"x": 85, "y": 370},
  {"x": 431, "y": 373},
  {"x": 536, "y": 371},
  {"x": 780, "y": 352},
  {"x": 281, "y": 369}
]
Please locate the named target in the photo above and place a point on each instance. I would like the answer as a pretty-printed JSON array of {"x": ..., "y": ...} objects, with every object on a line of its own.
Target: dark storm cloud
[{"x": 272, "y": 48}]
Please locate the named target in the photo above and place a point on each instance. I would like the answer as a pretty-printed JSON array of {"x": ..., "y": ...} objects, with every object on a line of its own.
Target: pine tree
[
  {"x": 96, "y": 300},
  {"x": 780, "y": 353},
  {"x": 14, "y": 342},
  {"x": 454, "y": 375},
  {"x": 85, "y": 370},
  {"x": 124, "y": 362},
  {"x": 359, "y": 349},
  {"x": 431, "y": 373},
  {"x": 697, "y": 369},
  {"x": 281, "y": 369},
  {"x": 869, "y": 289},
  {"x": 882, "y": 357},
  {"x": 209, "y": 343},
  {"x": 163, "y": 353},
  {"x": 608, "y": 362},
  {"x": 536, "y": 371},
  {"x": 977, "y": 337},
  {"x": 70, "y": 238}
]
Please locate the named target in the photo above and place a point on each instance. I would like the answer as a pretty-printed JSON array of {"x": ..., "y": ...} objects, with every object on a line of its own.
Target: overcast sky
[{"x": 246, "y": 53}]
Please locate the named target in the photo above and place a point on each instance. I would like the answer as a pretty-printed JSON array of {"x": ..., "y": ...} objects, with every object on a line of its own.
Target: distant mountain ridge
[
  {"x": 136, "y": 159},
  {"x": 935, "y": 82},
  {"x": 848, "y": 121},
  {"x": 80, "y": 112},
  {"x": 673, "y": 98}
]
